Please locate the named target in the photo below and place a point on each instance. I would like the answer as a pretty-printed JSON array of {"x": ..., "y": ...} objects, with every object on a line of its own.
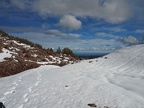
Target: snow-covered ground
[
  {"x": 116, "y": 81},
  {"x": 6, "y": 53}
]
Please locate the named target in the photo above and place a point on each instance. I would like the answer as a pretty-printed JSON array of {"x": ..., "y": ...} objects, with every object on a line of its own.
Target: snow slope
[{"x": 116, "y": 81}]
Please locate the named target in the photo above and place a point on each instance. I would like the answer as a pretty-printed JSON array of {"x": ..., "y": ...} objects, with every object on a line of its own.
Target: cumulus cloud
[
  {"x": 130, "y": 40},
  {"x": 70, "y": 22}
]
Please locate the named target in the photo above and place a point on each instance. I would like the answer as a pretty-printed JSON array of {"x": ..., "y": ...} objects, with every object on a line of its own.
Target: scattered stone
[
  {"x": 106, "y": 107},
  {"x": 8, "y": 58},
  {"x": 2, "y": 105},
  {"x": 1, "y": 51},
  {"x": 92, "y": 105},
  {"x": 105, "y": 57},
  {"x": 66, "y": 85}
]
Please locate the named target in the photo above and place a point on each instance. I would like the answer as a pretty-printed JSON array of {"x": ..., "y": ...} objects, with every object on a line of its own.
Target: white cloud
[
  {"x": 51, "y": 39},
  {"x": 101, "y": 42},
  {"x": 74, "y": 35},
  {"x": 117, "y": 29},
  {"x": 114, "y": 29},
  {"x": 35, "y": 33},
  {"x": 56, "y": 38},
  {"x": 116, "y": 11},
  {"x": 57, "y": 33},
  {"x": 4, "y": 4},
  {"x": 130, "y": 40},
  {"x": 20, "y": 28},
  {"x": 112, "y": 11},
  {"x": 103, "y": 34},
  {"x": 22, "y": 4},
  {"x": 70, "y": 22},
  {"x": 45, "y": 26},
  {"x": 139, "y": 31}
]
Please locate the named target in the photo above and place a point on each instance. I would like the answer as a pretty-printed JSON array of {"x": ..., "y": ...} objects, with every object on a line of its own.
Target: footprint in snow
[
  {"x": 15, "y": 83},
  {"x": 25, "y": 97},
  {"x": 38, "y": 78},
  {"x": 9, "y": 92},
  {"x": 20, "y": 78},
  {"x": 30, "y": 89},
  {"x": 26, "y": 100},
  {"x": 4, "y": 98},
  {"x": 21, "y": 106},
  {"x": 13, "y": 88},
  {"x": 37, "y": 83}
]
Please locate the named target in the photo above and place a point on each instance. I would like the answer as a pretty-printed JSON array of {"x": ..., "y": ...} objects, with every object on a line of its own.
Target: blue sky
[{"x": 94, "y": 26}]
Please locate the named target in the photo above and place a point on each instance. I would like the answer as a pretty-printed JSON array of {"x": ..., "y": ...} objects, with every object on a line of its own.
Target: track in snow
[{"x": 116, "y": 82}]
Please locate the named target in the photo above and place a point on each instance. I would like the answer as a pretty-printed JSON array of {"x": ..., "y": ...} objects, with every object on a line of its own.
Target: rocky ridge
[{"x": 16, "y": 57}]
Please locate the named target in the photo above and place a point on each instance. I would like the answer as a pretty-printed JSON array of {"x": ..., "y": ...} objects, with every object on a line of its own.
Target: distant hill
[
  {"x": 17, "y": 55},
  {"x": 91, "y": 56}
]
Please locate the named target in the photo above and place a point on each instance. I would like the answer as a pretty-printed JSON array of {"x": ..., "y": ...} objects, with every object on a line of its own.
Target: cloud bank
[
  {"x": 112, "y": 11},
  {"x": 57, "y": 33}
]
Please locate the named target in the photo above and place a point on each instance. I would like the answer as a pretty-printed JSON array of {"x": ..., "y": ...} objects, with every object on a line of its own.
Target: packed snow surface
[{"x": 116, "y": 81}]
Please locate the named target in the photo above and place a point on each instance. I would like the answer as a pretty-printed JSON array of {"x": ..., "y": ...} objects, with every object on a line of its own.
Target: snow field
[{"x": 116, "y": 81}]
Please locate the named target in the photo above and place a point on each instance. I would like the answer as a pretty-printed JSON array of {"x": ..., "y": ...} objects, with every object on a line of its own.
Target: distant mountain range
[{"x": 91, "y": 55}]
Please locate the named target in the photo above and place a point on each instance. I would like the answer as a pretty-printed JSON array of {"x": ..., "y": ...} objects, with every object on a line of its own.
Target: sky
[{"x": 85, "y": 26}]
